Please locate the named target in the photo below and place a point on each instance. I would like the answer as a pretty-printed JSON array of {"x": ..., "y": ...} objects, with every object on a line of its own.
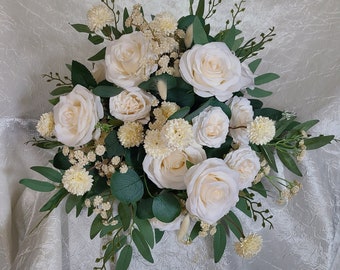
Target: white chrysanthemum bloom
[
  {"x": 261, "y": 130},
  {"x": 155, "y": 145},
  {"x": 165, "y": 23},
  {"x": 99, "y": 16},
  {"x": 249, "y": 246},
  {"x": 77, "y": 180},
  {"x": 131, "y": 134},
  {"x": 178, "y": 134},
  {"x": 100, "y": 150},
  {"x": 45, "y": 126}
]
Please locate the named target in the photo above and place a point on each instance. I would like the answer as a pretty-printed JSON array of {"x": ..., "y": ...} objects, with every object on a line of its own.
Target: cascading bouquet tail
[{"x": 166, "y": 132}]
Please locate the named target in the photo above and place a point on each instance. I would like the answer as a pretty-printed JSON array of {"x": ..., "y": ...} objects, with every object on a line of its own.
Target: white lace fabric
[{"x": 37, "y": 39}]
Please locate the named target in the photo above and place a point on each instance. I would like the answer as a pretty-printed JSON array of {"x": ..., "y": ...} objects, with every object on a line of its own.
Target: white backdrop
[{"x": 36, "y": 38}]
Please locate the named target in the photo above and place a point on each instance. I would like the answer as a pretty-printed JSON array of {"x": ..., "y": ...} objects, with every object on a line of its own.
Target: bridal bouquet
[{"x": 165, "y": 132}]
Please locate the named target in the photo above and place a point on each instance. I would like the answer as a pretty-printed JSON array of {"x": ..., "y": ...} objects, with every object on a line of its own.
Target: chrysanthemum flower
[
  {"x": 249, "y": 246},
  {"x": 45, "y": 126},
  {"x": 77, "y": 180},
  {"x": 98, "y": 17},
  {"x": 261, "y": 130},
  {"x": 165, "y": 23},
  {"x": 131, "y": 134},
  {"x": 178, "y": 134},
  {"x": 155, "y": 145}
]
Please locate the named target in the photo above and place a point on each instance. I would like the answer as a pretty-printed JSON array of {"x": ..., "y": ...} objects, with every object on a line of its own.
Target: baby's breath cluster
[{"x": 103, "y": 209}]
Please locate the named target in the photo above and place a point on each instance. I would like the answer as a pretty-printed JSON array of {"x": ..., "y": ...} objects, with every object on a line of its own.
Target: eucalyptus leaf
[
  {"x": 107, "y": 91},
  {"x": 259, "y": 188},
  {"x": 266, "y": 78},
  {"x": 98, "y": 56},
  {"x": 142, "y": 245},
  {"x": 254, "y": 64},
  {"x": 61, "y": 162},
  {"x": 317, "y": 142},
  {"x": 145, "y": 228},
  {"x": 113, "y": 147},
  {"x": 81, "y": 28},
  {"x": 269, "y": 156},
  {"x": 125, "y": 214},
  {"x": 124, "y": 258},
  {"x": 81, "y": 75},
  {"x": 258, "y": 92},
  {"x": 289, "y": 162},
  {"x": 158, "y": 235},
  {"x": 181, "y": 113},
  {"x": 234, "y": 224},
  {"x": 200, "y": 36},
  {"x": 242, "y": 205},
  {"x": 273, "y": 114},
  {"x": 302, "y": 126},
  {"x": 71, "y": 202},
  {"x": 95, "y": 39},
  {"x": 37, "y": 185},
  {"x": 127, "y": 187},
  {"x": 54, "y": 201},
  {"x": 48, "y": 172},
  {"x": 166, "y": 207},
  {"x": 61, "y": 90},
  {"x": 195, "y": 230},
  {"x": 256, "y": 104},
  {"x": 200, "y": 8},
  {"x": 144, "y": 208},
  {"x": 237, "y": 44},
  {"x": 54, "y": 101},
  {"x": 219, "y": 242},
  {"x": 96, "y": 226}
]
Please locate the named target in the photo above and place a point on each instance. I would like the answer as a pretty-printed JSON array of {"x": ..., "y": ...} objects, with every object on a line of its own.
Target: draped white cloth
[{"x": 36, "y": 38}]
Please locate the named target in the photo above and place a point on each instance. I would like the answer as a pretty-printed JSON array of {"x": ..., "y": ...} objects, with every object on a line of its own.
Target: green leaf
[
  {"x": 113, "y": 147},
  {"x": 98, "y": 56},
  {"x": 144, "y": 208},
  {"x": 266, "y": 78},
  {"x": 124, "y": 258},
  {"x": 242, "y": 205},
  {"x": 200, "y": 36},
  {"x": 273, "y": 114},
  {"x": 109, "y": 252},
  {"x": 145, "y": 228},
  {"x": 221, "y": 151},
  {"x": 95, "y": 39},
  {"x": 142, "y": 245},
  {"x": 124, "y": 212},
  {"x": 181, "y": 113},
  {"x": 54, "y": 201},
  {"x": 220, "y": 241},
  {"x": 107, "y": 91},
  {"x": 158, "y": 235},
  {"x": 54, "y": 101},
  {"x": 282, "y": 126},
  {"x": 46, "y": 144},
  {"x": 185, "y": 22},
  {"x": 302, "y": 126},
  {"x": 81, "y": 75},
  {"x": 49, "y": 173},
  {"x": 237, "y": 44},
  {"x": 234, "y": 224},
  {"x": 182, "y": 97},
  {"x": 200, "y": 8},
  {"x": 61, "y": 90},
  {"x": 37, "y": 185},
  {"x": 127, "y": 187},
  {"x": 71, "y": 202},
  {"x": 259, "y": 188},
  {"x": 269, "y": 156},
  {"x": 195, "y": 230},
  {"x": 166, "y": 207},
  {"x": 81, "y": 28},
  {"x": 317, "y": 142},
  {"x": 96, "y": 226},
  {"x": 151, "y": 84},
  {"x": 289, "y": 162},
  {"x": 229, "y": 37},
  {"x": 254, "y": 65},
  {"x": 258, "y": 92},
  {"x": 61, "y": 162},
  {"x": 256, "y": 104}
]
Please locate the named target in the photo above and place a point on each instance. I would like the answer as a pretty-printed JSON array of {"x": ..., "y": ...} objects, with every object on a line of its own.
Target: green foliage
[
  {"x": 269, "y": 112},
  {"x": 81, "y": 28},
  {"x": 289, "y": 162},
  {"x": 127, "y": 187},
  {"x": 95, "y": 39},
  {"x": 269, "y": 156},
  {"x": 200, "y": 36},
  {"x": 258, "y": 92},
  {"x": 61, "y": 90},
  {"x": 98, "y": 56},
  {"x": 113, "y": 147},
  {"x": 81, "y": 75},
  {"x": 48, "y": 172},
  {"x": 96, "y": 226},
  {"x": 244, "y": 207},
  {"x": 259, "y": 188},
  {"x": 317, "y": 142},
  {"x": 158, "y": 235},
  {"x": 71, "y": 202},
  {"x": 61, "y": 162},
  {"x": 125, "y": 215},
  {"x": 195, "y": 230},
  {"x": 200, "y": 8},
  {"x": 144, "y": 208},
  {"x": 37, "y": 185},
  {"x": 146, "y": 230},
  {"x": 166, "y": 207},
  {"x": 266, "y": 78},
  {"x": 54, "y": 201},
  {"x": 181, "y": 113},
  {"x": 219, "y": 242},
  {"x": 107, "y": 91},
  {"x": 142, "y": 245},
  {"x": 254, "y": 64},
  {"x": 234, "y": 224},
  {"x": 124, "y": 259}
]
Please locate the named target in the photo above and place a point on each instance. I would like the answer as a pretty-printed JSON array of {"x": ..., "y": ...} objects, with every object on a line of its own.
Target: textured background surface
[{"x": 36, "y": 39}]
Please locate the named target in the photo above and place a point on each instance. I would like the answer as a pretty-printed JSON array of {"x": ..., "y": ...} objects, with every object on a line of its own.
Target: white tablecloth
[{"x": 36, "y": 39}]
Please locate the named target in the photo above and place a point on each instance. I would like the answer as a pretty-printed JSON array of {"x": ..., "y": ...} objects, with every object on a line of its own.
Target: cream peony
[
  {"x": 129, "y": 60},
  {"x": 213, "y": 70},
  {"x": 212, "y": 190},
  {"x": 241, "y": 115},
  {"x": 245, "y": 161},
  {"x": 169, "y": 171},
  {"x": 211, "y": 127},
  {"x": 134, "y": 105},
  {"x": 76, "y": 115}
]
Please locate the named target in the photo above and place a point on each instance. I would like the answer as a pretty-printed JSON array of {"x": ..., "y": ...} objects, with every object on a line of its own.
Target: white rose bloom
[
  {"x": 76, "y": 115},
  {"x": 211, "y": 127},
  {"x": 213, "y": 70},
  {"x": 134, "y": 105},
  {"x": 212, "y": 190},
  {"x": 129, "y": 60},
  {"x": 163, "y": 226},
  {"x": 168, "y": 172},
  {"x": 245, "y": 161},
  {"x": 241, "y": 115}
]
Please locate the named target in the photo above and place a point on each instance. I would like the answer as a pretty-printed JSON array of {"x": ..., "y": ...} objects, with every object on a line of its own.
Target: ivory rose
[
  {"x": 129, "y": 60},
  {"x": 168, "y": 172},
  {"x": 131, "y": 106},
  {"x": 212, "y": 190},
  {"x": 241, "y": 115},
  {"x": 76, "y": 115},
  {"x": 213, "y": 70},
  {"x": 211, "y": 127},
  {"x": 245, "y": 161}
]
